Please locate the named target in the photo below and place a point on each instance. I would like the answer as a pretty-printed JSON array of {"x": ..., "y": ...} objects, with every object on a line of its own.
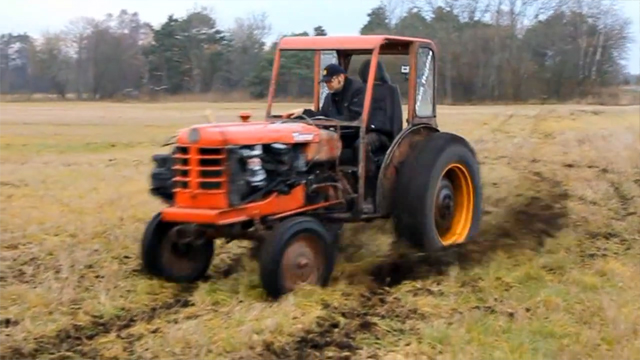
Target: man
[{"x": 345, "y": 100}]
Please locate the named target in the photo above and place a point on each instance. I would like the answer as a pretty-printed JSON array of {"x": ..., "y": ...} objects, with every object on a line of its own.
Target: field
[{"x": 554, "y": 274}]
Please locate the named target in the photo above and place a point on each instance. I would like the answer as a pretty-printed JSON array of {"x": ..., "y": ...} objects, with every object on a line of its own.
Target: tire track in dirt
[
  {"x": 526, "y": 225},
  {"x": 77, "y": 340},
  {"x": 611, "y": 242},
  {"x": 623, "y": 199},
  {"x": 72, "y": 340},
  {"x": 333, "y": 335}
]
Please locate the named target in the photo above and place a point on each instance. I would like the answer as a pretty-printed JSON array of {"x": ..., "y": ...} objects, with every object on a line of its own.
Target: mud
[
  {"x": 333, "y": 336},
  {"x": 526, "y": 225},
  {"x": 75, "y": 341},
  {"x": 70, "y": 342},
  {"x": 9, "y": 322}
]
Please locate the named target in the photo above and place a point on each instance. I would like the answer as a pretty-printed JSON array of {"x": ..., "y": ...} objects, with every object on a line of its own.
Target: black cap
[{"x": 330, "y": 71}]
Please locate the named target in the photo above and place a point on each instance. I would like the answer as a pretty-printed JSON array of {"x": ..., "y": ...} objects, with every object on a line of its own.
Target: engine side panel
[{"x": 328, "y": 148}]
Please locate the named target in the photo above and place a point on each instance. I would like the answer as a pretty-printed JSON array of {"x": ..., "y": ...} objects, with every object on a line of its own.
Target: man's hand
[{"x": 293, "y": 113}]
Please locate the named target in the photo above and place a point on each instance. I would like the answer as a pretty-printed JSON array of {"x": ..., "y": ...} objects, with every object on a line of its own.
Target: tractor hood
[{"x": 248, "y": 133}]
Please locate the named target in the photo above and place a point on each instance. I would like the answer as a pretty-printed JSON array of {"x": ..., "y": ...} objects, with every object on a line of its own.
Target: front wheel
[
  {"x": 300, "y": 251},
  {"x": 176, "y": 252},
  {"x": 438, "y": 195}
]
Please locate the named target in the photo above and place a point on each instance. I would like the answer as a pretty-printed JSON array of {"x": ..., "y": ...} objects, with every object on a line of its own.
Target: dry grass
[{"x": 554, "y": 274}]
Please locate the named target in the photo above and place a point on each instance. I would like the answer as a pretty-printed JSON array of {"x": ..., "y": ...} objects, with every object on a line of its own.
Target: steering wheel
[{"x": 310, "y": 121}]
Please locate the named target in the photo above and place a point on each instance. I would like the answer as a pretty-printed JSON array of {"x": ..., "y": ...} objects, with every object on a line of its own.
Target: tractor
[{"x": 290, "y": 184}]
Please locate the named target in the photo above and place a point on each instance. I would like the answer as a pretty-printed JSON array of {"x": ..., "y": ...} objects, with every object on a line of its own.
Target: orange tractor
[{"x": 291, "y": 183}]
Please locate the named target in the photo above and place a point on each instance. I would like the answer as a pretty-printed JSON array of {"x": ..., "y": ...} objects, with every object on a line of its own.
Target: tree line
[{"x": 489, "y": 50}]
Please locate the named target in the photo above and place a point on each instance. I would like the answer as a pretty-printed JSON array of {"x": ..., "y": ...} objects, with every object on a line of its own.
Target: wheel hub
[
  {"x": 301, "y": 262},
  {"x": 180, "y": 250},
  {"x": 445, "y": 205}
]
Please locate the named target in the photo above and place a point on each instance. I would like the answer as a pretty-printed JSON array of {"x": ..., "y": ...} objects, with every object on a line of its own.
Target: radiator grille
[{"x": 199, "y": 168}]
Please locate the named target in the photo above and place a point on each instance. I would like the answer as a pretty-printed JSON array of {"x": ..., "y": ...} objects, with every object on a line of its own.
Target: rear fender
[{"x": 402, "y": 145}]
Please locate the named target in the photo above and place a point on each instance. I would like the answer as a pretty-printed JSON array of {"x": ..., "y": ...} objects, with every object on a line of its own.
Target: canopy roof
[{"x": 359, "y": 42}]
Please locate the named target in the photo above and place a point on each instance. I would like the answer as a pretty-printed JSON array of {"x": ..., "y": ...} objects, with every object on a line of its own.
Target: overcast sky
[{"x": 339, "y": 17}]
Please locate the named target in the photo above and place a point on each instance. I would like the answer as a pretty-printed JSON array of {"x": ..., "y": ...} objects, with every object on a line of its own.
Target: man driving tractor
[{"x": 345, "y": 102}]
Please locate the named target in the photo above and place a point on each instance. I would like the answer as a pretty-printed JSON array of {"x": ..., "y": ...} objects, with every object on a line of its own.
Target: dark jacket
[{"x": 346, "y": 104}]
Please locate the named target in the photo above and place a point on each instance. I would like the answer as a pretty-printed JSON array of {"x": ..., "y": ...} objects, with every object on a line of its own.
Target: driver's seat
[
  {"x": 385, "y": 103},
  {"x": 386, "y": 99}
]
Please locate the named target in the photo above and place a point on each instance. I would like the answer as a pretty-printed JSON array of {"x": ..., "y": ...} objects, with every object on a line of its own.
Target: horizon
[{"x": 35, "y": 18}]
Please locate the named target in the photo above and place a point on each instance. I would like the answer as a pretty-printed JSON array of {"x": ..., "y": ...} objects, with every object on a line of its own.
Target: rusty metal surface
[
  {"x": 302, "y": 262},
  {"x": 273, "y": 83},
  {"x": 400, "y": 148},
  {"x": 348, "y": 42},
  {"x": 306, "y": 209},
  {"x": 327, "y": 148},
  {"x": 363, "y": 129}
]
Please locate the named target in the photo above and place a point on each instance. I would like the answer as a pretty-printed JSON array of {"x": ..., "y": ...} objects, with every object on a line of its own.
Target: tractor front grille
[{"x": 199, "y": 168}]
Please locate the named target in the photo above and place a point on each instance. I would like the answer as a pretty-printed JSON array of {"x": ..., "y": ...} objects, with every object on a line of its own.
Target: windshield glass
[
  {"x": 295, "y": 76},
  {"x": 295, "y": 82},
  {"x": 425, "y": 81}
]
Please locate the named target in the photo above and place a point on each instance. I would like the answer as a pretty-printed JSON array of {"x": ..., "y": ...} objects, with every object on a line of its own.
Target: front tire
[
  {"x": 167, "y": 254},
  {"x": 438, "y": 194},
  {"x": 300, "y": 250}
]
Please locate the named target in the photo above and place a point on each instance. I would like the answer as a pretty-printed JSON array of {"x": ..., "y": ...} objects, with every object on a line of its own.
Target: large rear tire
[
  {"x": 172, "y": 252},
  {"x": 438, "y": 194},
  {"x": 299, "y": 251}
]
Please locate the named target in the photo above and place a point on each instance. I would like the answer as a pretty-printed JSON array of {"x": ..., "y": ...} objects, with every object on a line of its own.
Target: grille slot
[
  {"x": 180, "y": 184},
  {"x": 205, "y": 162},
  {"x": 211, "y": 174},
  {"x": 205, "y": 151},
  {"x": 182, "y": 173},
  {"x": 210, "y": 185}
]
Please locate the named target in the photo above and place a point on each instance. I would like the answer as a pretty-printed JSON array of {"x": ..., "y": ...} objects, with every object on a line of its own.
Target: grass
[{"x": 553, "y": 274}]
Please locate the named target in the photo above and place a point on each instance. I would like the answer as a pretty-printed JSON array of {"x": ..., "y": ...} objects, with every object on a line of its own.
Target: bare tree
[{"x": 54, "y": 62}]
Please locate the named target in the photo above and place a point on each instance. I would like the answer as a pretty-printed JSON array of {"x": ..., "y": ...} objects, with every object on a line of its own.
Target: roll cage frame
[{"x": 376, "y": 46}]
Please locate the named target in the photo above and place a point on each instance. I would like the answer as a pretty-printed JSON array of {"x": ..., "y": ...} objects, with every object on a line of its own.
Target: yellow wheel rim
[{"x": 453, "y": 210}]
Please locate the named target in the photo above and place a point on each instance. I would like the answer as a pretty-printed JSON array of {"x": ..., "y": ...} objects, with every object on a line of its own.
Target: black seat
[
  {"x": 386, "y": 107},
  {"x": 386, "y": 100}
]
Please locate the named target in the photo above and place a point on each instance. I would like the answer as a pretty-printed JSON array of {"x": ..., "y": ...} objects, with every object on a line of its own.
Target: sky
[{"x": 338, "y": 17}]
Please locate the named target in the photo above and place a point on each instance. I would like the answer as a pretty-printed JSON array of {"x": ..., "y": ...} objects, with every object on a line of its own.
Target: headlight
[{"x": 194, "y": 135}]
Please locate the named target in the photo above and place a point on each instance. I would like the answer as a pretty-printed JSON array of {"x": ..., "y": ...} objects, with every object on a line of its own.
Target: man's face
[{"x": 336, "y": 83}]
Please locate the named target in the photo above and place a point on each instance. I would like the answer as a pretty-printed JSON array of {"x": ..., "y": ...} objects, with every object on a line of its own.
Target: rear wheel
[
  {"x": 176, "y": 252},
  {"x": 300, "y": 251},
  {"x": 438, "y": 195}
]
